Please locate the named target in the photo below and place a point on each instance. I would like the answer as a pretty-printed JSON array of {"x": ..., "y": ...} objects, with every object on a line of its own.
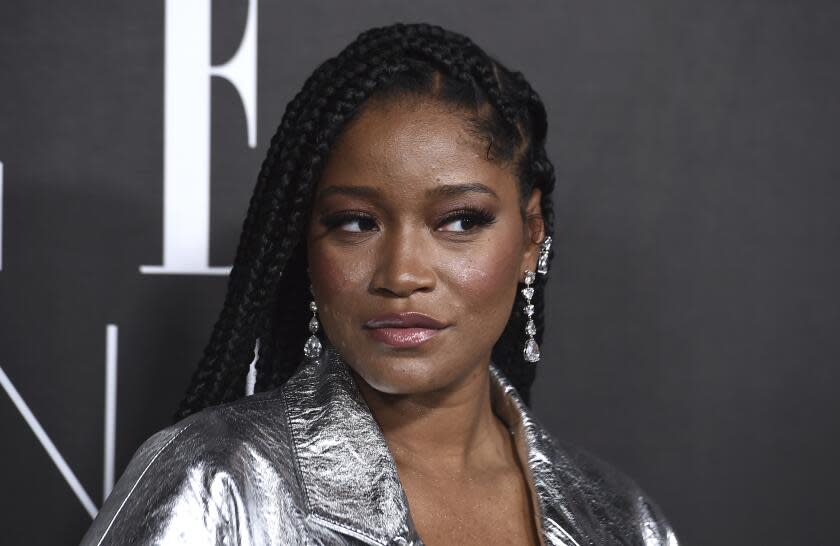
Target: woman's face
[{"x": 409, "y": 216}]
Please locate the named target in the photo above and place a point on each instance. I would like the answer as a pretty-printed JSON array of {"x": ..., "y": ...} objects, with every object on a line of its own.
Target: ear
[{"x": 534, "y": 233}]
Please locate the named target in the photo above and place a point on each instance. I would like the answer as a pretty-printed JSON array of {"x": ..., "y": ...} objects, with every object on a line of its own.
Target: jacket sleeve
[{"x": 171, "y": 493}]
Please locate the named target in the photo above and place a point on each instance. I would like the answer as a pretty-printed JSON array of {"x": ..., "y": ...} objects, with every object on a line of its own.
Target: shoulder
[
  {"x": 614, "y": 504},
  {"x": 219, "y": 437},
  {"x": 205, "y": 471}
]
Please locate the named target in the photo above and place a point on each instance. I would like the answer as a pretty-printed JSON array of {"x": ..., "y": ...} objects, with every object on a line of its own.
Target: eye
[
  {"x": 353, "y": 225},
  {"x": 349, "y": 221},
  {"x": 467, "y": 220}
]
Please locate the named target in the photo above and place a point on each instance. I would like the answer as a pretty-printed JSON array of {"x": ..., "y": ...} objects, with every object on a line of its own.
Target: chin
[{"x": 399, "y": 375}]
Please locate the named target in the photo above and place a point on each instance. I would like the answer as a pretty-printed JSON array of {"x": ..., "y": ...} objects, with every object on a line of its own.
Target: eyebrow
[{"x": 445, "y": 190}]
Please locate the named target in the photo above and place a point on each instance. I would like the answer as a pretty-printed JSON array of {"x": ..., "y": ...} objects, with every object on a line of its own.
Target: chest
[{"x": 473, "y": 511}]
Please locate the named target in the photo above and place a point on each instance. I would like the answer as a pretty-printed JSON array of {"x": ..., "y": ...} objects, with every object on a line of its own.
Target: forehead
[{"x": 407, "y": 144}]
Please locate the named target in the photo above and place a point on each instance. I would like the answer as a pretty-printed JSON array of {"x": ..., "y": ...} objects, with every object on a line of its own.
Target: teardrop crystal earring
[
  {"x": 312, "y": 349},
  {"x": 531, "y": 350}
]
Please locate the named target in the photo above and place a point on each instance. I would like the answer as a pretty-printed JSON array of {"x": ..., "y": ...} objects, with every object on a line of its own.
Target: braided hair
[{"x": 267, "y": 291}]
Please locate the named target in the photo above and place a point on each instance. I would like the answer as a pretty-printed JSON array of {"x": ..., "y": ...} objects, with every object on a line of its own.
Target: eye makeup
[
  {"x": 474, "y": 218},
  {"x": 477, "y": 216}
]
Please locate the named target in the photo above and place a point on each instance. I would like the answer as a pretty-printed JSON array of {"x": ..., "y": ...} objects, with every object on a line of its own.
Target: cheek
[
  {"x": 335, "y": 272},
  {"x": 486, "y": 279},
  {"x": 338, "y": 279}
]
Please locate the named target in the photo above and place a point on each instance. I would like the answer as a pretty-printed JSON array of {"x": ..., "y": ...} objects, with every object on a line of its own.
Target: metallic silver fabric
[{"x": 307, "y": 464}]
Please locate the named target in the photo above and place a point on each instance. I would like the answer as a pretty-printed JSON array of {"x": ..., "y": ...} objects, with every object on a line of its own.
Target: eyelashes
[
  {"x": 471, "y": 218},
  {"x": 332, "y": 221},
  {"x": 477, "y": 217}
]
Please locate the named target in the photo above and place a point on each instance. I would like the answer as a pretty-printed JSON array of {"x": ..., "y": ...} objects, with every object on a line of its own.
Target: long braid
[
  {"x": 219, "y": 376},
  {"x": 233, "y": 334},
  {"x": 268, "y": 287},
  {"x": 212, "y": 374},
  {"x": 267, "y": 374}
]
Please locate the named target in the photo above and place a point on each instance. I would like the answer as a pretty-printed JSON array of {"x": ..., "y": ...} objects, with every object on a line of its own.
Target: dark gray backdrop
[{"x": 693, "y": 319}]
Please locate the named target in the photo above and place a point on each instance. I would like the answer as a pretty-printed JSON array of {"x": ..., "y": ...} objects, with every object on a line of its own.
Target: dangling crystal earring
[
  {"x": 531, "y": 350},
  {"x": 542, "y": 261},
  {"x": 312, "y": 349}
]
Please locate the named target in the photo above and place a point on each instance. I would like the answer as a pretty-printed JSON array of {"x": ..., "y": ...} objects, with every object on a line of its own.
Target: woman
[{"x": 397, "y": 244}]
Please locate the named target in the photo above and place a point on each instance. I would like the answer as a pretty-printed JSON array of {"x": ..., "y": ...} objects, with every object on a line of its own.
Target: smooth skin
[{"x": 389, "y": 233}]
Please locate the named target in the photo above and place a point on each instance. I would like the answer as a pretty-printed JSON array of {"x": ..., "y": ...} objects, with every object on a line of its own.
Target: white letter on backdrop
[{"x": 186, "y": 151}]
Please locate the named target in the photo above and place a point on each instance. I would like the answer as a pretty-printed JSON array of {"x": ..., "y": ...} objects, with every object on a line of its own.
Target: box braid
[{"x": 268, "y": 288}]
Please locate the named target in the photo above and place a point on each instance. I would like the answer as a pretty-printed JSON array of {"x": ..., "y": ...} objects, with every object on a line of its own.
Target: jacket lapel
[
  {"x": 546, "y": 472},
  {"x": 348, "y": 474}
]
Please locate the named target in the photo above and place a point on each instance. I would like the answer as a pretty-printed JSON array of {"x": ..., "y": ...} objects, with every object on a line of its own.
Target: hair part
[{"x": 268, "y": 287}]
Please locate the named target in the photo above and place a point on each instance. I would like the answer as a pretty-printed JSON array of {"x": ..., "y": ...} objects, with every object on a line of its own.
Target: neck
[{"x": 451, "y": 430}]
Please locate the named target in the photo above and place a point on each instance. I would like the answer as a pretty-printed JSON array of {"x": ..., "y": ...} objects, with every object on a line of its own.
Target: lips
[
  {"x": 404, "y": 330},
  {"x": 409, "y": 319}
]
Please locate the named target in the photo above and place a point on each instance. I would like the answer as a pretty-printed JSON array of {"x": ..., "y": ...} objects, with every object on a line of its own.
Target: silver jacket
[{"x": 306, "y": 463}]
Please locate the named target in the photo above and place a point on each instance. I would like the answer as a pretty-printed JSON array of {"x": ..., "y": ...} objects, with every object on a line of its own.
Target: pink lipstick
[{"x": 404, "y": 330}]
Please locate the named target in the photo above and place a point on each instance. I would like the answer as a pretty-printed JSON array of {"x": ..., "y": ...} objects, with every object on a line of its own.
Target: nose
[{"x": 403, "y": 265}]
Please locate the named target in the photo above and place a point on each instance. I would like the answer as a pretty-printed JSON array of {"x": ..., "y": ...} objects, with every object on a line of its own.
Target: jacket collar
[{"x": 349, "y": 476}]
